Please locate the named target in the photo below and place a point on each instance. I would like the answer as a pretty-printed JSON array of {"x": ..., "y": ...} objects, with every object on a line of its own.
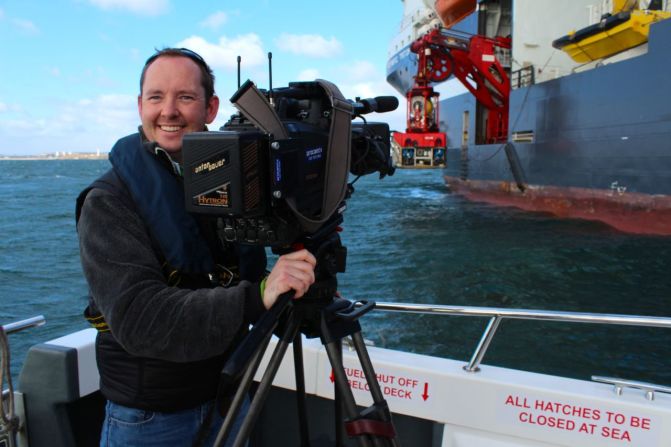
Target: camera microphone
[{"x": 378, "y": 104}]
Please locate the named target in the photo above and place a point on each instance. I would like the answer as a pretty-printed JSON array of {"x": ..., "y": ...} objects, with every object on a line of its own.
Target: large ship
[{"x": 588, "y": 131}]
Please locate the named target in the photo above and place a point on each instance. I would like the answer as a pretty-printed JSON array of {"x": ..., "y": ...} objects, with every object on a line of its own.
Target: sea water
[{"x": 409, "y": 240}]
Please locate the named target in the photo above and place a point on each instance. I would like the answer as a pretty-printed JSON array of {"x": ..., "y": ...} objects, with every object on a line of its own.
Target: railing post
[{"x": 485, "y": 340}]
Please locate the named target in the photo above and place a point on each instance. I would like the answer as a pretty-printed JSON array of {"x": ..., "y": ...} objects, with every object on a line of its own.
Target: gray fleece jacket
[{"x": 147, "y": 317}]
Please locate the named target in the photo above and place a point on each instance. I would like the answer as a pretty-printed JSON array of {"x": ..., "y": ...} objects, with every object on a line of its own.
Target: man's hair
[{"x": 206, "y": 74}]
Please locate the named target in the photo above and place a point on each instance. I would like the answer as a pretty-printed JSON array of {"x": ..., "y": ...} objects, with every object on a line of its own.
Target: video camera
[
  {"x": 278, "y": 170},
  {"x": 277, "y": 174}
]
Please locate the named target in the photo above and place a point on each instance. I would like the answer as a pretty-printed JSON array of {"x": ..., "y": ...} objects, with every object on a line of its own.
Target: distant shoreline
[{"x": 73, "y": 156}]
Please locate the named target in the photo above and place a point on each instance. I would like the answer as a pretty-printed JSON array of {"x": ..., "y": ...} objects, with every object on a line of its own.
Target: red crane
[{"x": 442, "y": 53}]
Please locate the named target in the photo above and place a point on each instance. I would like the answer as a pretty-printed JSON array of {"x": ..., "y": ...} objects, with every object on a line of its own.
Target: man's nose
[{"x": 170, "y": 107}]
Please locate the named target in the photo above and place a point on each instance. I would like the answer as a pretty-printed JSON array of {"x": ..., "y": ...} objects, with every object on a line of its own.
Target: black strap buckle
[{"x": 225, "y": 276}]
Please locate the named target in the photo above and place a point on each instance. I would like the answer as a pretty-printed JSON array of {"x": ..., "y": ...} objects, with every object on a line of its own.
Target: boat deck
[{"x": 435, "y": 401}]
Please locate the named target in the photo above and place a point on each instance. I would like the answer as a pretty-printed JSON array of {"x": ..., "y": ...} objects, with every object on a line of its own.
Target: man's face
[{"x": 172, "y": 102}]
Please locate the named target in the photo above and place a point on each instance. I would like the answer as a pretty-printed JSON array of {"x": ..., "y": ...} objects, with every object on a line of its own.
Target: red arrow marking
[{"x": 425, "y": 396}]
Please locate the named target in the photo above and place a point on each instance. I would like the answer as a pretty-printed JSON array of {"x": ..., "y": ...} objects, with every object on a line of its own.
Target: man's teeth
[{"x": 170, "y": 128}]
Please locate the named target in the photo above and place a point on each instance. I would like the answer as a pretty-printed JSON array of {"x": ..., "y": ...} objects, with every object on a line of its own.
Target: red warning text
[
  {"x": 394, "y": 386},
  {"x": 583, "y": 419}
]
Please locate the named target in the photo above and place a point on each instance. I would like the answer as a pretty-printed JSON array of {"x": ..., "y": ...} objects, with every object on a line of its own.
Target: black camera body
[{"x": 278, "y": 170}]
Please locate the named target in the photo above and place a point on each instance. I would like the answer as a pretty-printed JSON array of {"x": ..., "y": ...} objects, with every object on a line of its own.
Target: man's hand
[{"x": 293, "y": 271}]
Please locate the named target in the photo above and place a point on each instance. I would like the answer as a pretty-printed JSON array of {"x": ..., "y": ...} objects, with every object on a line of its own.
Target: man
[{"x": 169, "y": 301}]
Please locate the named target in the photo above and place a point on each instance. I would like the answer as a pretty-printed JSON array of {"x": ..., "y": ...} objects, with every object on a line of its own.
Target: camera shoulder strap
[{"x": 337, "y": 159}]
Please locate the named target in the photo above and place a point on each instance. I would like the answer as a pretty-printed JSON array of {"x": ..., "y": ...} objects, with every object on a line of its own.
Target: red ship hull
[{"x": 634, "y": 213}]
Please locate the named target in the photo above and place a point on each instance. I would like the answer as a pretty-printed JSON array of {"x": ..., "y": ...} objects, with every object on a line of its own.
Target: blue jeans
[{"x": 130, "y": 427}]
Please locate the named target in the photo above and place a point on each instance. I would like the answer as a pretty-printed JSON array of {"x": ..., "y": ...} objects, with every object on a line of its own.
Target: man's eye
[
  {"x": 187, "y": 98},
  {"x": 154, "y": 98}
]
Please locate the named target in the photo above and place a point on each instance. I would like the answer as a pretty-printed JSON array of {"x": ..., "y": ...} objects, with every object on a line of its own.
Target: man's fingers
[
  {"x": 300, "y": 255},
  {"x": 295, "y": 271},
  {"x": 298, "y": 276}
]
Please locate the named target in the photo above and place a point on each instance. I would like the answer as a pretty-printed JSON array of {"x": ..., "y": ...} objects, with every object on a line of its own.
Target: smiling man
[
  {"x": 169, "y": 300},
  {"x": 176, "y": 97}
]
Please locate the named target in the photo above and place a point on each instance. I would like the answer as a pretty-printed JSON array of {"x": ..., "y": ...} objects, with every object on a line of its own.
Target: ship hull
[
  {"x": 630, "y": 213},
  {"x": 591, "y": 145}
]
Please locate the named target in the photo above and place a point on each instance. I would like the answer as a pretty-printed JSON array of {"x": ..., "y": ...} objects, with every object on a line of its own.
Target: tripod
[{"x": 318, "y": 313}]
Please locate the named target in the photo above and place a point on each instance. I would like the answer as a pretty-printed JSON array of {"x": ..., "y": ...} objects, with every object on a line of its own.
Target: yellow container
[{"x": 610, "y": 41}]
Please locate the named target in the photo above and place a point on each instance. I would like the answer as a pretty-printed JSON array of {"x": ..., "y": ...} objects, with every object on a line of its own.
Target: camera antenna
[
  {"x": 239, "y": 59},
  {"x": 270, "y": 78}
]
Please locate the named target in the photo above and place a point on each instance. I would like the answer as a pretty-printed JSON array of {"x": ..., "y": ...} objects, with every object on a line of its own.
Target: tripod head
[{"x": 331, "y": 257}]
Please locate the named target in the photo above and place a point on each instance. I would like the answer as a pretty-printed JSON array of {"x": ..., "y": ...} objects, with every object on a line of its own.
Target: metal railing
[
  {"x": 10, "y": 421},
  {"x": 497, "y": 315},
  {"x": 16, "y": 326},
  {"x": 9, "y": 328},
  {"x": 620, "y": 384},
  {"x": 524, "y": 77}
]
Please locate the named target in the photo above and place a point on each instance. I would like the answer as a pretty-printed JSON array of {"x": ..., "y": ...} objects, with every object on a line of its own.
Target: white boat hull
[{"x": 493, "y": 407}]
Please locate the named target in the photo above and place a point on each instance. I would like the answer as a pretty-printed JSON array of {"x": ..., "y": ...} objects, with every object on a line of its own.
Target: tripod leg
[
  {"x": 300, "y": 391},
  {"x": 339, "y": 427},
  {"x": 374, "y": 387},
  {"x": 373, "y": 426},
  {"x": 241, "y": 392},
  {"x": 267, "y": 381},
  {"x": 342, "y": 386},
  {"x": 367, "y": 366}
]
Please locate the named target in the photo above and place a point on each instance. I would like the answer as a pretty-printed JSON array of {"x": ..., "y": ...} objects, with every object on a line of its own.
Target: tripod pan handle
[{"x": 355, "y": 309}]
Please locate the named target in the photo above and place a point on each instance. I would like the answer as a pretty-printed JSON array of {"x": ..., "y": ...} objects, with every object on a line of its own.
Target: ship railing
[
  {"x": 17, "y": 326},
  {"x": 6, "y": 398},
  {"x": 524, "y": 77},
  {"x": 496, "y": 315}
]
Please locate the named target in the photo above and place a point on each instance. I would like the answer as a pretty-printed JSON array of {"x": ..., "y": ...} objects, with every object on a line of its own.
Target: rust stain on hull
[{"x": 627, "y": 212}]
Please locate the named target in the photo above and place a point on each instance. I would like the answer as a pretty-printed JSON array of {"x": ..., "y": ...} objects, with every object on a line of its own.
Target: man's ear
[{"x": 212, "y": 109}]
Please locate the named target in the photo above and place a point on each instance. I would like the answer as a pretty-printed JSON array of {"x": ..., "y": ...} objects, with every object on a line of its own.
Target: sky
[{"x": 69, "y": 69}]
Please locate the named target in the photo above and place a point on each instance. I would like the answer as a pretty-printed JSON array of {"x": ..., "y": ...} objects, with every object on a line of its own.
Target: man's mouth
[{"x": 170, "y": 128}]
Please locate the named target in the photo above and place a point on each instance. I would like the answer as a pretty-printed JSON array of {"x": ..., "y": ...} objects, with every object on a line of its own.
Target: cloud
[
  {"x": 143, "y": 7},
  {"x": 370, "y": 88},
  {"x": 224, "y": 53},
  {"x": 83, "y": 125},
  {"x": 26, "y": 26},
  {"x": 2, "y": 13},
  {"x": 214, "y": 21},
  {"x": 116, "y": 113},
  {"x": 309, "y": 74},
  {"x": 10, "y": 108},
  {"x": 312, "y": 45},
  {"x": 360, "y": 71}
]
